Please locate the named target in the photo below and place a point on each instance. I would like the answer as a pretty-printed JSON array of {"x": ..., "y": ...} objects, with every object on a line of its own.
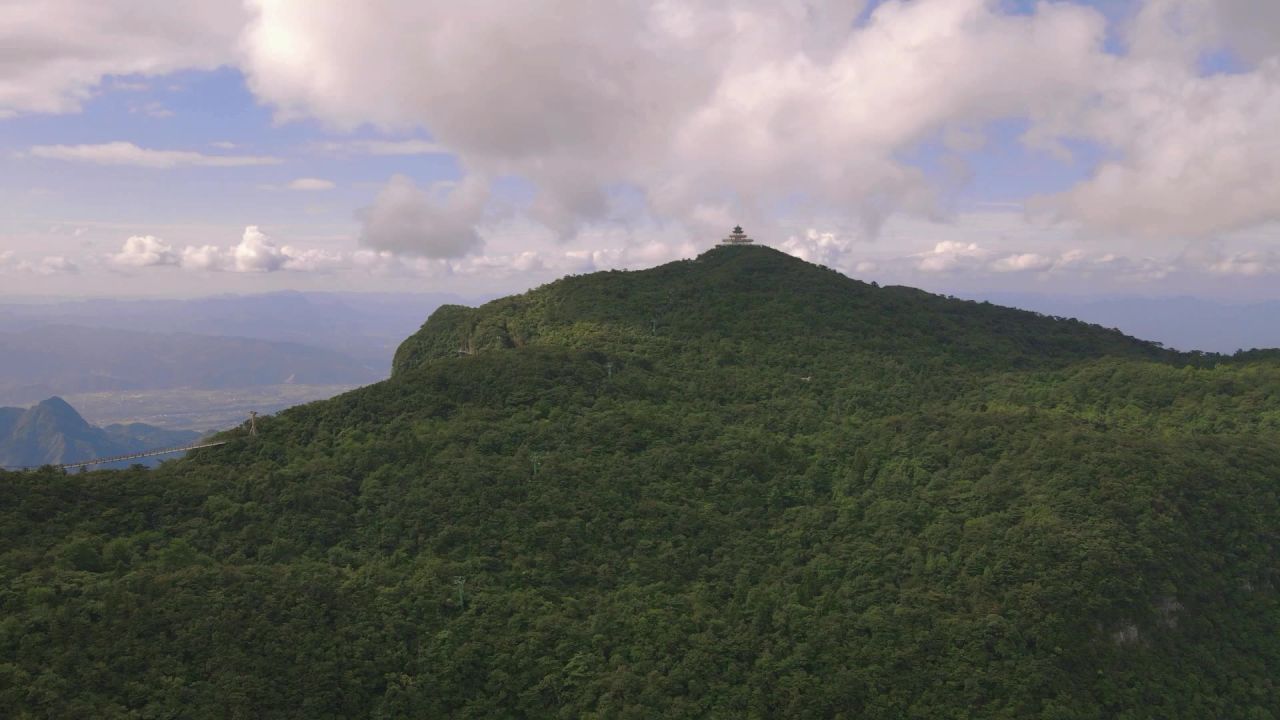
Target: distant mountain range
[
  {"x": 1183, "y": 323},
  {"x": 224, "y": 343},
  {"x": 52, "y": 432},
  {"x": 365, "y": 327},
  {"x": 60, "y": 360}
]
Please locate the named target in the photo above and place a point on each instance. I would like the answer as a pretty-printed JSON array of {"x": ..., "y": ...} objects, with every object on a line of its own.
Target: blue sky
[{"x": 971, "y": 145}]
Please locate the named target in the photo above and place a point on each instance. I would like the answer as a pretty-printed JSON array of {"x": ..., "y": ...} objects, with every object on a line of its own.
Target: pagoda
[{"x": 737, "y": 237}]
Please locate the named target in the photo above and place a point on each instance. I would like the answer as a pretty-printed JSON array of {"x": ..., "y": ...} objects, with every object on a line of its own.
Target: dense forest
[{"x": 737, "y": 486}]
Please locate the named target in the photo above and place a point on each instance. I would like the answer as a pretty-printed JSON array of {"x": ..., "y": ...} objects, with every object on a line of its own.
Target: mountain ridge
[
  {"x": 57, "y": 359},
  {"x": 663, "y": 295}
]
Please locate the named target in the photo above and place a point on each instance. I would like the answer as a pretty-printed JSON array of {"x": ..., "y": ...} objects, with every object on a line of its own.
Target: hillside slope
[
  {"x": 747, "y": 295},
  {"x": 741, "y": 486}
]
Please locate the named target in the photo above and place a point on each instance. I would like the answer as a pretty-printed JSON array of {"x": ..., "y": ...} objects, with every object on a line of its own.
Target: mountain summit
[
  {"x": 744, "y": 294},
  {"x": 735, "y": 486}
]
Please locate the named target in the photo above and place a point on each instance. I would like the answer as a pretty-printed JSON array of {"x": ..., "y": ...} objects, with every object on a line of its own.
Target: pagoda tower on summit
[{"x": 737, "y": 237}]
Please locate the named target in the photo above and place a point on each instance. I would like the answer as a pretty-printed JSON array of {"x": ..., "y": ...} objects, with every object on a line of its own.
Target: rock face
[{"x": 52, "y": 432}]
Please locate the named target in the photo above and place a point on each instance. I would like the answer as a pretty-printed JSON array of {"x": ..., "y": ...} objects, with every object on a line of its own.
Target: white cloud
[
  {"x": 49, "y": 265},
  {"x": 1191, "y": 155},
  {"x": 694, "y": 105},
  {"x": 55, "y": 265},
  {"x": 256, "y": 253},
  {"x": 951, "y": 255},
  {"x": 1023, "y": 262},
  {"x": 315, "y": 260},
  {"x": 721, "y": 109},
  {"x": 1181, "y": 30},
  {"x": 406, "y": 219},
  {"x": 259, "y": 253},
  {"x": 1249, "y": 263},
  {"x": 384, "y": 147},
  {"x": 204, "y": 257},
  {"x": 815, "y": 246},
  {"x": 145, "y": 251},
  {"x": 126, "y": 153},
  {"x": 57, "y": 52},
  {"x": 311, "y": 184},
  {"x": 706, "y": 114}
]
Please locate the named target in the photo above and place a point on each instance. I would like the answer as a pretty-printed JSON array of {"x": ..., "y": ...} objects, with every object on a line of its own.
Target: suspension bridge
[
  {"x": 253, "y": 431},
  {"x": 122, "y": 458}
]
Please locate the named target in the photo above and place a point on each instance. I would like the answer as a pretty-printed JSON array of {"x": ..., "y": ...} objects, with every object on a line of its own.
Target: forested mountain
[
  {"x": 52, "y": 432},
  {"x": 737, "y": 486}
]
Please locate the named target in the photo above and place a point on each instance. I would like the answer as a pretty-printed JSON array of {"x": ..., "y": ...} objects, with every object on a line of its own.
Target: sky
[{"x": 194, "y": 147}]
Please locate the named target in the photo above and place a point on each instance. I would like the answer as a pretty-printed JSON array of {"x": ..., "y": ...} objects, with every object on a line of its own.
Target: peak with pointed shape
[
  {"x": 53, "y": 432},
  {"x": 56, "y": 412}
]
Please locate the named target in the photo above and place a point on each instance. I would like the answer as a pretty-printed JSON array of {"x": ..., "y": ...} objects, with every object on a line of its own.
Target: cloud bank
[
  {"x": 406, "y": 219},
  {"x": 693, "y": 116},
  {"x": 126, "y": 153},
  {"x": 725, "y": 109},
  {"x": 57, "y": 52}
]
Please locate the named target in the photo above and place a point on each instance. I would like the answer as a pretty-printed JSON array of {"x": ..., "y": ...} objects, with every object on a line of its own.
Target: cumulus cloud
[
  {"x": 691, "y": 104},
  {"x": 815, "y": 246},
  {"x": 257, "y": 252},
  {"x": 203, "y": 257},
  {"x": 126, "y": 153},
  {"x": 316, "y": 260},
  {"x": 712, "y": 113},
  {"x": 311, "y": 184},
  {"x": 55, "y": 265},
  {"x": 1191, "y": 155},
  {"x": 145, "y": 251},
  {"x": 1023, "y": 262},
  {"x": 384, "y": 147},
  {"x": 718, "y": 110},
  {"x": 58, "y": 51},
  {"x": 1249, "y": 263},
  {"x": 950, "y": 255},
  {"x": 407, "y": 219},
  {"x": 49, "y": 265},
  {"x": 1181, "y": 30}
]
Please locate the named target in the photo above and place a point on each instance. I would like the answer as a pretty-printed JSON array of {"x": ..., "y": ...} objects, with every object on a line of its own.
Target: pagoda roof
[{"x": 737, "y": 237}]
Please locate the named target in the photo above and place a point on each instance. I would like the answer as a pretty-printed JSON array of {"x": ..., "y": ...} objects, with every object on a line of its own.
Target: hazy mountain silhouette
[{"x": 52, "y": 432}]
